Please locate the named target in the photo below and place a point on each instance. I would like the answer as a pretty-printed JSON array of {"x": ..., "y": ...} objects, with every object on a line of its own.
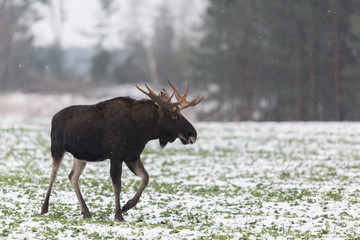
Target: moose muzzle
[{"x": 189, "y": 140}]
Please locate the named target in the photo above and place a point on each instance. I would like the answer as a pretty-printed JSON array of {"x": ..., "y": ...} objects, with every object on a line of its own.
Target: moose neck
[{"x": 146, "y": 117}]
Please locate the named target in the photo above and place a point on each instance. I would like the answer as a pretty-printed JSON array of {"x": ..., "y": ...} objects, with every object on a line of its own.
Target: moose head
[{"x": 174, "y": 124}]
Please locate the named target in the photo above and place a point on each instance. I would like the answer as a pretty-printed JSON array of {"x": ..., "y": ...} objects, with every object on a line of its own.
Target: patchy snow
[{"x": 240, "y": 180}]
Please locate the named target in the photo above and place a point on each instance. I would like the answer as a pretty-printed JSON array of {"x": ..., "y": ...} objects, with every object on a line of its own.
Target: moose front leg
[
  {"x": 138, "y": 169},
  {"x": 115, "y": 173}
]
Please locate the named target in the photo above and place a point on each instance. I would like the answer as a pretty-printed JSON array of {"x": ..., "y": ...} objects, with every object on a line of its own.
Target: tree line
[
  {"x": 283, "y": 60},
  {"x": 258, "y": 60},
  {"x": 143, "y": 57}
]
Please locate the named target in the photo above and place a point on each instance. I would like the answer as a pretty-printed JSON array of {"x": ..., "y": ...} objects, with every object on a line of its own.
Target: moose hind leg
[
  {"x": 74, "y": 175},
  {"x": 138, "y": 169},
  {"x": 56, "y": 162},
  {"x": 115, "y": 173}
]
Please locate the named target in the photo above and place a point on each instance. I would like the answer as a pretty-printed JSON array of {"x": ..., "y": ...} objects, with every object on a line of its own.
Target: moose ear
[{"x": 164, "y": 94}]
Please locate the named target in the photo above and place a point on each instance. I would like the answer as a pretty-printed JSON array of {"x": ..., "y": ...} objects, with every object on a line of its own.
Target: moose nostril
[{"x": 192, "y": 139}]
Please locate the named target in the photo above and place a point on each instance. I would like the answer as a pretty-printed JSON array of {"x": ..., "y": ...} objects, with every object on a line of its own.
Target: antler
[
  {"x": 156, "y": 98},
  {"x": 166, "y": 102},
  {"x": 184, "y": 104}
]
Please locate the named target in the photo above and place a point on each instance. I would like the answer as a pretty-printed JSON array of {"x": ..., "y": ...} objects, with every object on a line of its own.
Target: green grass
[{"x": 239, "y": 181}]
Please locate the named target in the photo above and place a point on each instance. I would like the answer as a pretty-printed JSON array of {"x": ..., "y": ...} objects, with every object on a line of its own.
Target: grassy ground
[{"x": 242, "y": 181}]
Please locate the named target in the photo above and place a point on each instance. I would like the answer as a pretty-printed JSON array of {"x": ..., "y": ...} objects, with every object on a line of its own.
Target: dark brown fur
[{"x": 116, "y": 129}]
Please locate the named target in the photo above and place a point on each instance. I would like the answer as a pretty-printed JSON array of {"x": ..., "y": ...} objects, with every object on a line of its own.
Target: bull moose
[{"x": 117, "y": 129}]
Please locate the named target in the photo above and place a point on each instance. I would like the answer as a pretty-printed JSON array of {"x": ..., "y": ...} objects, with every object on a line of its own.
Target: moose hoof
[
  {"x": 44, "y": 209},
  {"x": 119, "y": 218},
  {"x": 123, "y": 210},
  {"x": 128, "y": 205},
  {"x": 86, "y": 214}
]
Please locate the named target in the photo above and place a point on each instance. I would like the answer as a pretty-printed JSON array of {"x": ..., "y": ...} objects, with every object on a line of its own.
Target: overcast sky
[{"x": 80, "y": 16}]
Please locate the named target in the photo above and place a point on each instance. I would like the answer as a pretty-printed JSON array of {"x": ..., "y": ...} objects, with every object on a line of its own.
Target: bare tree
[
  {"x": 16, "y": 17},
  {"x": 102, "y": 59},
  {"x": 163, "y": 44}
]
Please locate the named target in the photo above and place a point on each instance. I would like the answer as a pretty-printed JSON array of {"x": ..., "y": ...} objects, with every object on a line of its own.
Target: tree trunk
[
  {"x": 298, "y": 91},
  {"x": 336, "y": 66},
  {"x": 152, "y": 65},
  {"x": 8, "y": 71},
  {"x": 250, "y": 59},
  {"x": 312, "y": 80}
]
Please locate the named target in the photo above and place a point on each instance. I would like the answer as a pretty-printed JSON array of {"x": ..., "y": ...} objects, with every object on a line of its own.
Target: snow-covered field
[{"x": 240, "y": 180}]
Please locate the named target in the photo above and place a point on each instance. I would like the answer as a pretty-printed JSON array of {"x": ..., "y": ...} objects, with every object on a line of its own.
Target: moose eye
[{"x": 175, "y": 116}]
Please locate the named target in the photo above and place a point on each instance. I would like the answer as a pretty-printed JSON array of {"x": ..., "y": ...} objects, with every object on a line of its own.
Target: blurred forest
[{"x": 253, "y": 59}]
